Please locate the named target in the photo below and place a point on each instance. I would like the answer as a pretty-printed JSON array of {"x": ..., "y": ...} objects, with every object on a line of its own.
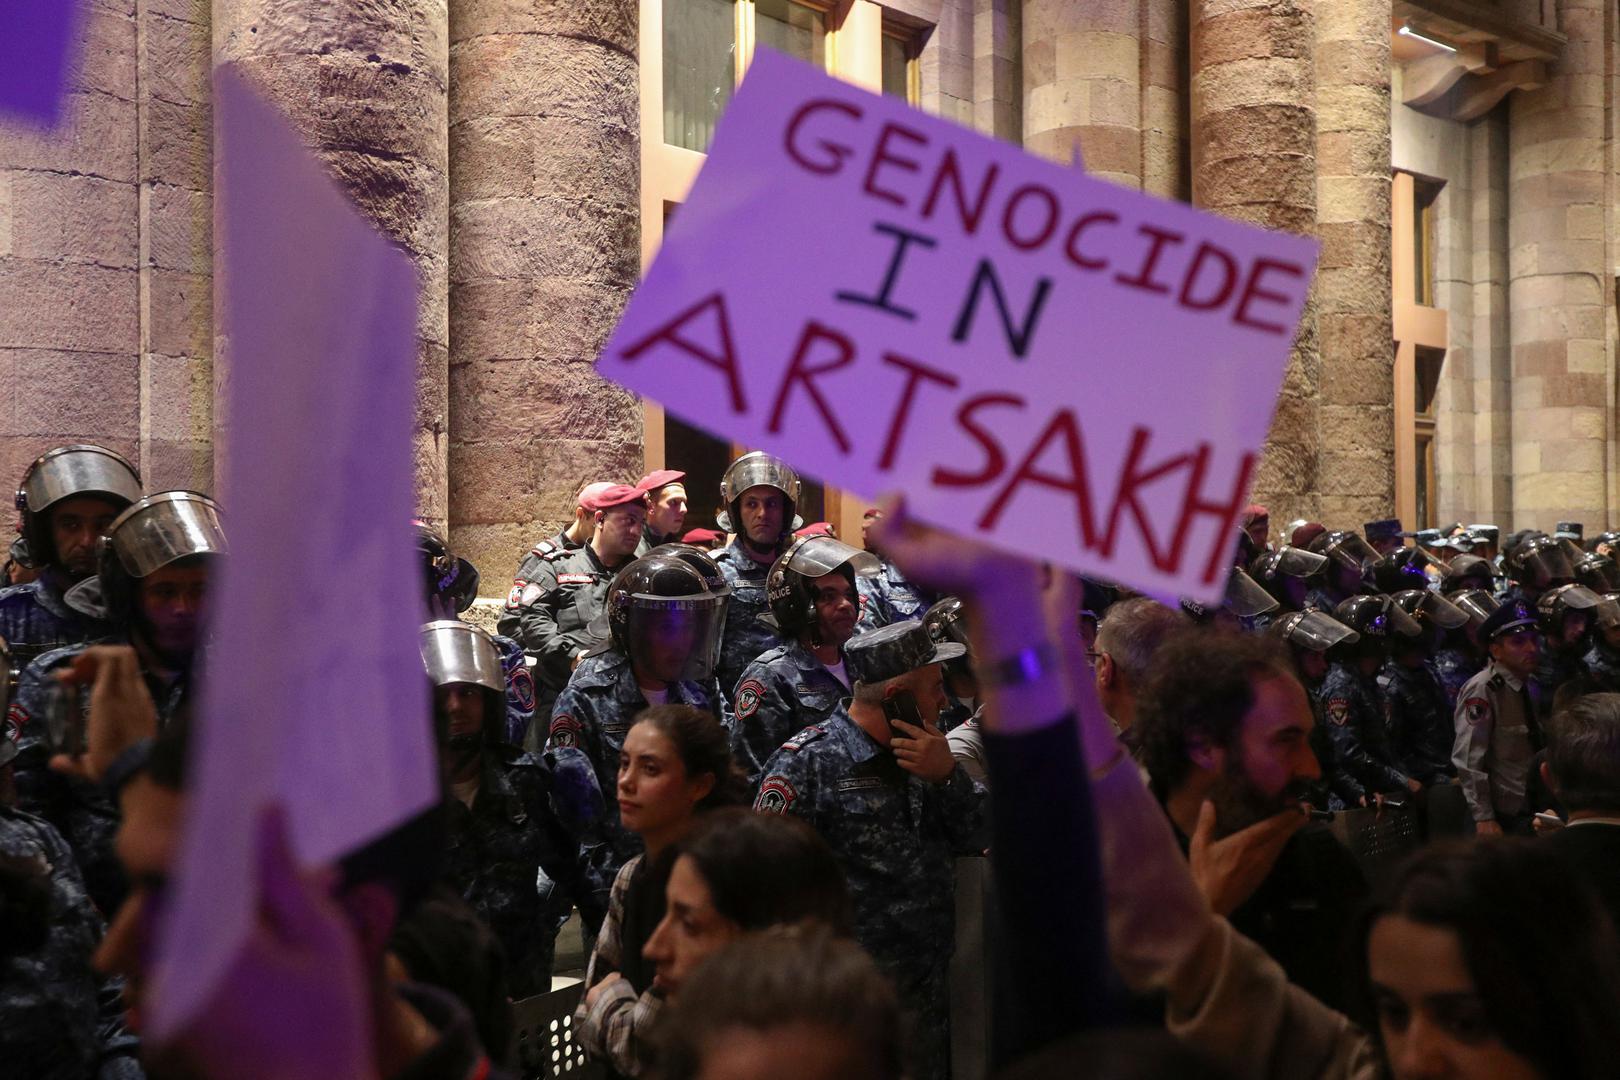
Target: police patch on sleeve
[
  {"x": 564, "y": 730},
  {"x": 16, "y": 721},
  {"x": 748, "y": 695},
  {"x": 1477, "y": 710},
  {"x": 522, "y": 594},
  {"x": 776, "y": 795},
  {"x": 520, "y": 684},
  {"x": 1338, "y": 711}
]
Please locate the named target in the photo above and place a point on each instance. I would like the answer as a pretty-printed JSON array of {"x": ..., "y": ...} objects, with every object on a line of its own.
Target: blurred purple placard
[
  {"x": 313, "y": 695},
  {"x": 1038, "y": 358},
  {"x": 35, "y": 40}
]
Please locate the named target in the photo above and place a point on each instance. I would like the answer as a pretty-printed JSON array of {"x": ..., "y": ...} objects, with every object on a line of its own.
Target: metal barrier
[{"x": 545, "y": 1036}]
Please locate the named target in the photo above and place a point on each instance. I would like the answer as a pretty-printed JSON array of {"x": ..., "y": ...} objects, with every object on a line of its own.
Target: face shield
[
  {"x": 758, "y": 469},
  {"x": 1432, "y": 609},
  {"x": 675, "y": 638},
  {"x": 458, "y": 652},
  {"x": 1598, "y": 573},
  {"x": 1606, "y": 616},
  {"x": 1544, "y": 565},
  {"x": 163, "y": 528},
  {"x": 1289, "y": 562},
  {"x": 1315, "y": 630},
  {"x": 1351, "y": 552},
  {"x": 817, "y": 556},
  {"x": 1245, "y": 598},
  {"x": 1476, "y": 604},
  {"x": 81, "y": 469}
]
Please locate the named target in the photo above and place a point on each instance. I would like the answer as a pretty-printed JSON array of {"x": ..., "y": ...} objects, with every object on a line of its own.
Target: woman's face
[
  {"x": 655, "y": 793},
  {"x": 1429, "y": 1012},
  {"x": 691, "y": 930}
]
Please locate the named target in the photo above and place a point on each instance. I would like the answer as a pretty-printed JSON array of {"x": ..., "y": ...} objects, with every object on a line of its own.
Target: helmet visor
[
  {"x": 1578, "y": 598},
  {"x": 756, "y": 470},
  {"x": 1546, "y": 565},
  {"x": 1245, "y": 598},
  {"x": 1315, "y": 630},
  {"x": 1436, "y": 610},
  {"x": 1352, "y": 552},
  {"x": 1297, "y": 562},
  {"x": 675, "y": 638},
  {"x": 817, "y": 556},
  {"x": 458, "y": 652},
  {"x": 161, "y": 529},
  {"x": 1607, "y": 614},
  {"x": 1476, "y": 604},
  {"x": 1598, "y": 573},
  {"x": 79, "y": 470}
]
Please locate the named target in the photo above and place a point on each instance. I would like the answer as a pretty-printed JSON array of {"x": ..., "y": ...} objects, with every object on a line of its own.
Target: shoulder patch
[
  {"x": 776, "y": 795},
  {"x": 1338, "y": 711},
  {"x": 805, "y": 737},
  {"x": 564, "y": 731},
  {"x": 748, "y": 695},
  {"x": 1477, "y": 710},
  {"x": 520, "y": 686},
  {"x": 522, "y": 594},
  {"x": 554, "y": 554},
  {"x": 543, "y": 548},
  {"x": 16, "y": 722}
]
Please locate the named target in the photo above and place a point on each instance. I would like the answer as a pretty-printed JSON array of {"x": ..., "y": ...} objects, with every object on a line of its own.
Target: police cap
[
  {"x": 1386, "y": 529},
  {"x": 1507, "y": 619},
  {"x": 891, "y": 651}
]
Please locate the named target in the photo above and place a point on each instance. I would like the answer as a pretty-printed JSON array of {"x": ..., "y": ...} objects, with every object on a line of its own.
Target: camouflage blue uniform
[
  {"x": 780, "y": 694},
  {"x": 81, "y": 812},
  {"x": 1357, "y": 716},
  {"x": 1454, "y": 667},
  {"x": 519, "y": 688},
  {"x": 1420, "y": 723},
  {"x": 58, "y": 1020},
  {"x": 554, "y": 600},
  {"x": 887, "y": 597},
  {"x": 1554, "y": 668},
  {"x": 1603, "y": 666},
  {"x": 745, "y": 638},
  {"x": 591, "y": 717},
  {"x": 513, "y": 860},
  {"x": 896, "y": 837},
  {"x": 1338, "y": 789},
  {"x": 35, "y": 619}
]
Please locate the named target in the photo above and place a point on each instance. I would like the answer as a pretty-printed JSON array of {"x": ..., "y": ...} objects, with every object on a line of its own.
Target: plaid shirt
[{"x": 615, "y": 1026}]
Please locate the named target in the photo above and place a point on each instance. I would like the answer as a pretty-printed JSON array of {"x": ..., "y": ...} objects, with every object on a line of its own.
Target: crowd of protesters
[{"x": 752, "y": 760}]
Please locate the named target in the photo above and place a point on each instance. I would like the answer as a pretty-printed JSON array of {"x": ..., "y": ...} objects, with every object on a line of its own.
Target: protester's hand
[
  {"x": 295, "y": 1004},
  {"x": 1414, "y": 785},
  {"x": 121, "y": 709},
  {"x": 1228, "y": 871},
  {"x": 596, "y": 991},
  {"x": 923, "y": 751},
  {"x": 1487, "y": 828}
]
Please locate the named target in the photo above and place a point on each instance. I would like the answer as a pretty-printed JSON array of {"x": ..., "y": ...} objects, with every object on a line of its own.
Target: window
[
  {"x": 900, "y": 68},
  {"x": 1424, "y": 195},
  {"x": 700, "y": 68}
]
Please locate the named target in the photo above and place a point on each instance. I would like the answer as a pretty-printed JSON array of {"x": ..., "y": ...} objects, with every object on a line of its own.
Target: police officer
[
  {"x": 1405, "y": 568},
  {"x": 1497, "y": 735},
  {"x": 1309, "y": 636},
  {"x": 1468, "y": 572},
  {"x": 1420, "y": 730},
  {"x": 1535, "y": 565},
  {"x": 504, "y": 832},
  {"x": 1246, "y": 606},
  {"x": 1384, "y": 536},
  {"x": 67, "y": 499},
  {"x": 946, "y": 622},
  {"x": 666, "y": 508},
  {"x": 1598, "y": 573},
  {"x": 1462, "y": 654},
  {"x": 1356, "y": 710},
  {"x": 557, "y": 596},
  {"x": 811, "y": 590},
  {"x": 1565, "y": 614},
  {"x": 452, "y": 586},
  {"x": 760, "y": 496},
  {"x": 1286, "y": 574},
  {"x": 664, "y": 624},
  {"x": 152, "y": 589},
  {"x": 1349, "y": 560},
  {"x": 885, "y": 793},
  {"x": 886, "y": 597},
  {"x": 1603, "y": 658}
]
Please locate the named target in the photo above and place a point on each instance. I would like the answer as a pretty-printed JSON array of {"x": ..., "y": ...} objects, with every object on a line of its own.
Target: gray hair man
[
  {"x": 1583, "y": 769},
  {"x": 1128, "y": 637}
]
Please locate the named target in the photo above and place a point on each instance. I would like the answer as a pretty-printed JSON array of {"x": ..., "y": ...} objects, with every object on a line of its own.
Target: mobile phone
[
  {"x": 64, "y": 719},
  {"x": 902, "y": 705}
]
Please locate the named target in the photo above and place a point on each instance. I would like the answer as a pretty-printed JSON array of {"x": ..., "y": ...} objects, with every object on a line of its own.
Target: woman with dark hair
[
  {"x": 738, "y": 871},
  {"x": 1490, "y": 960},
  {"x": 675, "y": 763}
]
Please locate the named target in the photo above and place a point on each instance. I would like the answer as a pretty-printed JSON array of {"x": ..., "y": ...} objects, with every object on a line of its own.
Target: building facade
[{"x": 1456, "y": 160}]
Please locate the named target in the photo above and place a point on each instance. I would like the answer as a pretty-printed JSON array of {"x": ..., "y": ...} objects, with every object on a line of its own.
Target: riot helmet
[
  {"x": 157, "y": 531},
  {"x": 790, "y": 582},
  {"x": 1314, "y": 630},
  {"x": 1604, "y": 543},
  {"x": 1606, "y": 617},
  {"x": 1244, "y": 599},
  {"x": 947, "y": 622},
  {"x": 758, "y": 469},
  {"x": 1477, "y": 604},
  {"x": 1286, "y": 572},
  {"x": 459, "y": 653},
  {"x": 69, "y": 472},
  {"x": 699, "y": 560},
  {"x": 1349, "y": 550},
  {"x": 1540, "y": 563},
  {"x": 663, "y": 617},
  {"x": 1435, "y": 615},
  {"x": 452, "y": 582},
  {"x": 1467, "y": 572},
  {"x": 1376, "y": 618},
  {"x": 1598, "y": 573},
  {"x": 1402, "y": 569},
  {"x": 1556, "y": 607}
]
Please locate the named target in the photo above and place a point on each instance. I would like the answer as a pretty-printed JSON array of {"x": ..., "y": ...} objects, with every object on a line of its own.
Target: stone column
[
  {"x": 1083, "y": 84},
  {"x": 1356, "y": 467},
  {"x": 545, "y": 247},
  {"x": 998, "y": 99},
  {"x": 69, "y": 288},
  {"x": 1253, "y": 121},
  {"x": 1558, "y": 282},
  {"x": 1164, "y": 98},
  {"x": 367, "y": 86}
]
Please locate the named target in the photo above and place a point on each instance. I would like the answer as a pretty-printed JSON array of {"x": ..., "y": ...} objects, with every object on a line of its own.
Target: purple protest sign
[
  {"x": 313, "y": 696},
  {"x": 1040, "y": 359},
  {"x": 35, "y": 36}
]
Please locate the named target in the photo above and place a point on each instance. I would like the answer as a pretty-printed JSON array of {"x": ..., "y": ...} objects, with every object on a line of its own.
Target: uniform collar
[
  {"x": 628, "y": 692},
  {"x": 805, "y": 660},
  {"x": 860, "y": 746},
  {"x": 1506, "y": 676},
  {"x": 50, "y": 594},
  {"x": 734, "y": 554}
]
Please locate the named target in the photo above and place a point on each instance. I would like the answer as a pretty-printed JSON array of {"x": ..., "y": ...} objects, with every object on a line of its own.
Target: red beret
[
  {"x": 660, "y": 478},
  {"x": 702, "y": 536},
  {"x": 819, "y": 528},
  {"x": 615, "y": 495}
]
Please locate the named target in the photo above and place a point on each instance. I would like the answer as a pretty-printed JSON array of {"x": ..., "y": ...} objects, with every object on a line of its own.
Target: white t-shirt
[
  {"x": 466, "y": 791},
  {"x": 838, "y": 672}
]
